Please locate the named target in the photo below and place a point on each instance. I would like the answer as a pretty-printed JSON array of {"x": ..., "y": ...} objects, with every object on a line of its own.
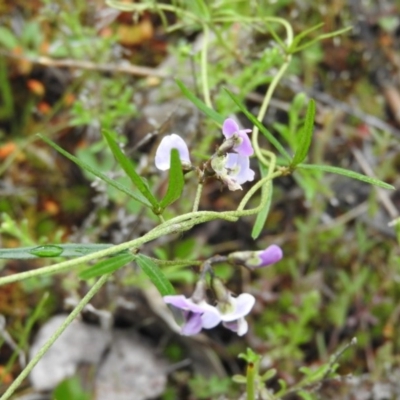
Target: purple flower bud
[
  {"x": 229, "y": 128},
  {"x": 163, "y": 153},
  {"x": 257, "y": 259}
]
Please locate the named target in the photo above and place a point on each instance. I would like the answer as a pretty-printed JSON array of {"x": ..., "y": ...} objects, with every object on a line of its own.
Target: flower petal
[
  {"x": 243, "y": 327},
  {"x": 245, "y": 174},
  {"x": 163, "y": 153},
  {"x": 239, "y": 326},
  {"x": 231, "y": 325},
  {"x": 240, "y": 168},
  {"x": 242, "y": 306},
  {"x": 183, "y": 303},
  {"x": 229, "y": 127},
  {"x": 245, "y": 148},
  {"x": 193, "y": 324},
  {"x": 211, "y": 318},
  {"x": 270, "y": 255}
]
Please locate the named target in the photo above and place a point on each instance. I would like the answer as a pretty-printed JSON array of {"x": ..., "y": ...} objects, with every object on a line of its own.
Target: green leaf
[
  {"x": 137, "y": 196},
  {"x": 128, "y": 167},
  {"x": 349, "y": 174},
  {"x": 261, "y": 127},
  {"x": 70, "y": 388},
  {"x": 176, "y": 180},
  {"x": 305, "y": 137},
  {"x": 268, "y": 375},
  {"x": 152, "y": 270},
  {"x": 263, "y": 214},
  {"x": 107, "y": 266},
  {"x": 7, "y": 38},
  {"x": 200, "y": 104},
  {"x": 52, "y": 250},
  {"x": 306, "y": 395},
  {"x": 297, "y": 39},
  {"x": 239, "y": 379},
  {"x": 322, "y": 37}
]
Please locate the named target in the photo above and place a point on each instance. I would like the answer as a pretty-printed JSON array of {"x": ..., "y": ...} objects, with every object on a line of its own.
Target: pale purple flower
[
  {"x": 239, "y": 168},
  {"x": 229, "y": 128},
  {"x": 257, "y": 259},
  {"x": 233, "y": 311},
  {"x": 163, "y": 153},
  {"x": 232, "y": 169},
  {"x": 196, "y": 315}
]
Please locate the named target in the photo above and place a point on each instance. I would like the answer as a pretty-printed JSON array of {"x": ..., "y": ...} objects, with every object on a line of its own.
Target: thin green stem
[
  {"x": 204, "y": 69},
  {"x": 25, "y": 372},
  {"x": 264, "y": 106},
  {"x": 175, "y": 262},
  {"x": 197, "y": 198},
  {"x": 174, "y": 225},
  {"x": 283, "y": 22},
  {"x": 250, "y": 382},
  {"x": 261, "y": 183}
]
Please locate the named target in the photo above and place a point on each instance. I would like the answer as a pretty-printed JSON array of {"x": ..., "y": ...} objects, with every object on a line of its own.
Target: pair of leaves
[
  {"x": 137, "y": 196},
  {"x": 175, "y": 183},
  {"x": 144, "y": 196},
  {"x": 147, "y": 265}
]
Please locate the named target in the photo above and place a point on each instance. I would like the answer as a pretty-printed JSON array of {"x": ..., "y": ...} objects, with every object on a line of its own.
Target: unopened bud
[
  {"x": 229, "y": 144},
  {"x": 199, "y": 293},
  {"x": 257, "y": 259}
]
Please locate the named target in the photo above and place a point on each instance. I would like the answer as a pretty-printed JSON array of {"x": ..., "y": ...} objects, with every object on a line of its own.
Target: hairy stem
[{"x": 25, "y": 372}]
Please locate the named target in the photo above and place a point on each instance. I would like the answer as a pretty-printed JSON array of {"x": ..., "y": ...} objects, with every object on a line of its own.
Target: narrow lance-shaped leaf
[
  {"x": 128, "y": 167},
  {"x": 175, "y": 182},
  {"x": 151, "y": 269},
  {"x": 107, "y": 266},
  {"x": 52, "y": 250},
  {"x": 263, "y": 214},
  {"x": 349, "y": 174},
  {"x": 300, "y": 36},
  {"x": 137, "y": 196},
  {"x": 305, "y": 135},
  {"x": 261, "y": 127},
  {"x": 218, "y": 118}
]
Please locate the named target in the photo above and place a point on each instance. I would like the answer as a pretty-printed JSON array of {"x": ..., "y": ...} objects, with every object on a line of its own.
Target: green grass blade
[
  {"x": 218, "y": 118},
  {"x": 349, "y": 174},
  {"x": 137, "y": 196}
]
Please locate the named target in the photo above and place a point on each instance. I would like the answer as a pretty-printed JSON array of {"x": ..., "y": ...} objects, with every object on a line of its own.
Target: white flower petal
[
  {"x": 243, "y": 327},
  {"x": 163, "y": 153},
  {"x": 241, "y": 306}
]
